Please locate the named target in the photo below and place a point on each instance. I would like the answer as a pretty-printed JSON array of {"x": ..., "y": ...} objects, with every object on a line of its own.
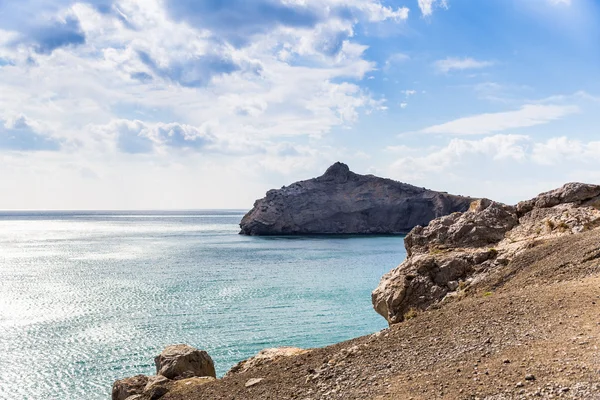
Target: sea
[{"x": 90, "y": 297}]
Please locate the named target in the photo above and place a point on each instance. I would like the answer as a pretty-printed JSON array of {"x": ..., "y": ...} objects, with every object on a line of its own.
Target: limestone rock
[
  {"x": 182, "y": 361},
  {"x": 461, "y": 248},
  {"x": 485, "y": 223},
  {"x": 124, "y": 388},
  {"x": 264, "y": 357},
  {"x": 577, "y": 193},
  {"x": 342, "y": 202}
]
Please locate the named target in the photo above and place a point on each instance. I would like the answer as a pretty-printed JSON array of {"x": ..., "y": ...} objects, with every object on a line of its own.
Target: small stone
[
  {"x": 520, "y": 384},
  {"x": 253, "y": 381},
  {"x": 530, "y": 377}
]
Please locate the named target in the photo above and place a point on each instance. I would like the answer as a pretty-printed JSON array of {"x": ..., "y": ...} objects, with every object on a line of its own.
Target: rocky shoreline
[
  {"x": 460, "y": 250},
  {"x": 341, "y": 202},
  {"x": 498, "y": 302}
]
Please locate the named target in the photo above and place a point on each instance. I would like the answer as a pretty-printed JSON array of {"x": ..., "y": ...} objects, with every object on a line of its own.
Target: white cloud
[
  {"x": 562, "y": 149},
  {"x": 498, "y": 147},
  {"x": 460, "y": 64},
  {"x": 409, "y": 92},
  {"x": 526, "y": 116},
  {"x": 403, "y": 105},
  {"x": 427, "y": 6},
  {"x": 506, "y": 168},
  {"x": 149, "y": 96}
]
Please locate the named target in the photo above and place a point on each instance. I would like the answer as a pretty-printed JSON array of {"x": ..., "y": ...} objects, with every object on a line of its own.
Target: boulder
[
  {"x": 124, "y": 388},
  {"x": 182, "y": 361},
  {"x": 343, "y": 202}
]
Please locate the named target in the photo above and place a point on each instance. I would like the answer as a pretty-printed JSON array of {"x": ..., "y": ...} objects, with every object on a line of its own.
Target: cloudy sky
[{"x": 162, "y": 104}]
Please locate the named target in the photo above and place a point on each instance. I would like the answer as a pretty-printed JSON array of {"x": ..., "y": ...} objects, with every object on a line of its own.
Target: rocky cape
[
  {"x": 343, "y": 202},
  {"x": 498, "y": 302},
  {"x": 463, "y": 249}
]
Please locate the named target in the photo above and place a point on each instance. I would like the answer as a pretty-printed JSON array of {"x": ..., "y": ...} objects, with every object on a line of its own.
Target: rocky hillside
[
  {"x": 459, "y": 250},
  {"x": 496, "y": 303},
  {"x": 342, "y": 202}
]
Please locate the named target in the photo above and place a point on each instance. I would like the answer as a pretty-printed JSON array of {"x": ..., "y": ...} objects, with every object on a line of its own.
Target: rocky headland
[
  {"x": 498, "y": 302},
  {"x": 343, "y": 202}
]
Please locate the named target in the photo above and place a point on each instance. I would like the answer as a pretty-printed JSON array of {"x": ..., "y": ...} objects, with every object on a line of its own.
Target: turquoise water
[{"x": 86, "y": 298}]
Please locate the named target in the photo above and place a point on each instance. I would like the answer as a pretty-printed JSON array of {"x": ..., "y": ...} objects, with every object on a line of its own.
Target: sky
[{"x": 184, "y": 104}]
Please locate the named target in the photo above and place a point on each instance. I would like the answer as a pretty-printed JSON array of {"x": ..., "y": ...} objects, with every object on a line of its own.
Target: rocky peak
[{"x": 338, "y": 173}]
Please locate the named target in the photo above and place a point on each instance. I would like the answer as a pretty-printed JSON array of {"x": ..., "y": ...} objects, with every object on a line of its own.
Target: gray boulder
[{"x": 342, "y": 202}]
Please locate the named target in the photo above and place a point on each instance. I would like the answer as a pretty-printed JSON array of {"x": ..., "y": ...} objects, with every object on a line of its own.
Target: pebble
[{"x": 253, "y": 381}]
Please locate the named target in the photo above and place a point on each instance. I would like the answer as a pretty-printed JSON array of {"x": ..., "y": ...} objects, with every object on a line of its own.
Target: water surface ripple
[{"x": 86, "y": 298}]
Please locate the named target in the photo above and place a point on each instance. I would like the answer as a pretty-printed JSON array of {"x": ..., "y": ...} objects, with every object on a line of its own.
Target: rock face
[
  {"x": 177, "y": 366},
  {"x": 342, "y": 202},
  {"x": 458, "y": 250}
]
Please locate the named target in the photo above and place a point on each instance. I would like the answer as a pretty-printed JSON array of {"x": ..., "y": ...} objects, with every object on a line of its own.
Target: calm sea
[{"x": 86, "y": 298}]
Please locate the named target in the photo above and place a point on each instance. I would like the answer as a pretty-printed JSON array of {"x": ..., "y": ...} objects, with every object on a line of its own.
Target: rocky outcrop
[
  {"x": 458, "y": 250},
  {"x": 263, "y": 357},
  {"x": 177, "y": 366},
  {"x": 343, "y": 202}
]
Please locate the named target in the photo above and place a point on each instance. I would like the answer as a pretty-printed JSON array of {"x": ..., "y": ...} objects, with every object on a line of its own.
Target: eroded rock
[{"x": 460, "y": 249}]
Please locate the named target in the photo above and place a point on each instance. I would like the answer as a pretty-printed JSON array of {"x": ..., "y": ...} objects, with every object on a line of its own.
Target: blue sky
[{"x": 130, "y": 104}]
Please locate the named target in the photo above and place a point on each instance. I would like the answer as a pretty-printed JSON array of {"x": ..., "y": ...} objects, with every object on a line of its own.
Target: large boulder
[
  {"x": 458, "y": 250},
  {"x": 342, "y": 202},
  {"x": 182, "y": 361}
]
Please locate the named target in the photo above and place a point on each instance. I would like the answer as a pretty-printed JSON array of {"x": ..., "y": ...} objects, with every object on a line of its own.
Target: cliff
[
  {"x": 462, "y": 250},
  {"x": 343, "y": 202}
]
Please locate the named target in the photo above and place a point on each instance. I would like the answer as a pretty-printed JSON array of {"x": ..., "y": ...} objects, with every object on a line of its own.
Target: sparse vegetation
[
  {"x": 562, "y": 226},
  {"x": 435, "y": 251},
  {"x": 410, "y": 314},
  {"x": 487, "y": 294}
]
